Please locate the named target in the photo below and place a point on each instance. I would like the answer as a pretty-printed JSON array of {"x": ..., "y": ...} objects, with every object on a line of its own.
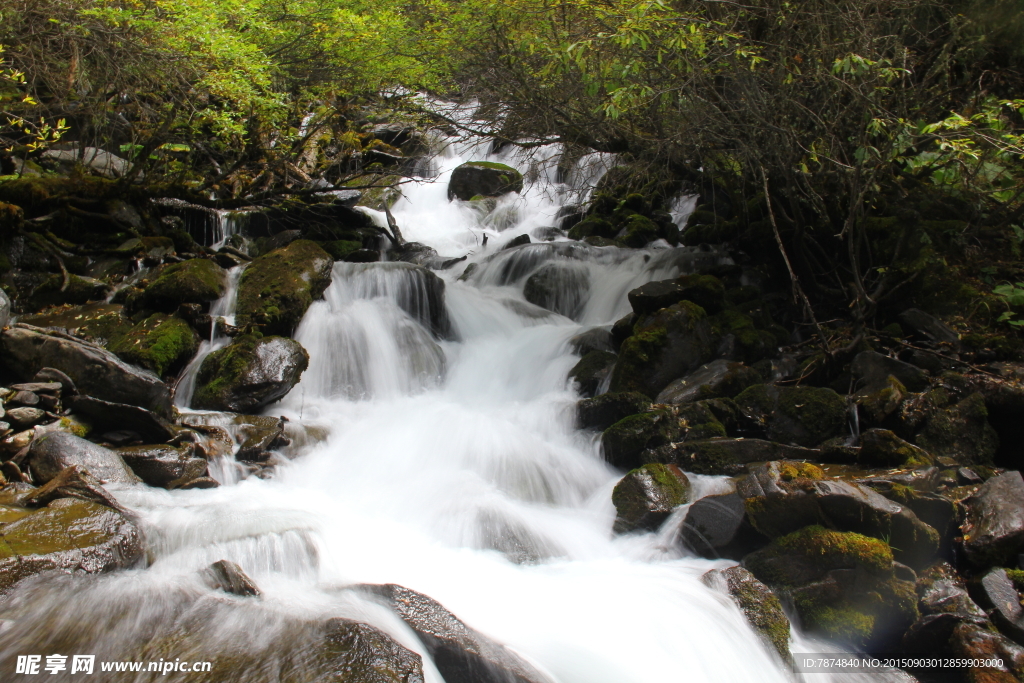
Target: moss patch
[
  {"x": 276, "y": 289},
  {"x": 159, "y": 343},
  {"x": 196, "y": 281}
]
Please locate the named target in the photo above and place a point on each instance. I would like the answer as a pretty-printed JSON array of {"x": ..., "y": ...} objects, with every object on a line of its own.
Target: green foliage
[{"x": 1013, "y": 297}]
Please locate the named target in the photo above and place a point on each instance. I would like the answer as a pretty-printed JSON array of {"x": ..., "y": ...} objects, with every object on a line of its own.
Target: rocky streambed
[{"x": 310, "y": 451}]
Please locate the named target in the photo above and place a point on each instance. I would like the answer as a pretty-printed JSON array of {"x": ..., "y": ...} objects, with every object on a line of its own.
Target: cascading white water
[{"x": 451, "y": 466}]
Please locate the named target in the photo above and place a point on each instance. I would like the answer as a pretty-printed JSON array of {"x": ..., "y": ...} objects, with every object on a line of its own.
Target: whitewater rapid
[{"x": 450, "y": 466}]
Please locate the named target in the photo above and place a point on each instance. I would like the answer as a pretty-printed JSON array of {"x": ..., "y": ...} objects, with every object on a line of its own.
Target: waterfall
[{"x": 449, "y": 464}]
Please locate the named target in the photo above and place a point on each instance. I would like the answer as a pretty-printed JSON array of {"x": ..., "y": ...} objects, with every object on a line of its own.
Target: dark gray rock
[
  {"x": 54, "y": 376},
  {"x": 258, "y": 434},
  {"x": 802, "y": 416},
  {"x": 104, "y": 540},
  {"x": 994, "y": 528},
  {"x": 104, "y": 415},
  {"x": 55, "y": 451},
  {"x": 930, "y": 327},
  {"x": 997, "y": 594},
  {"x": 461, "y": 654},
  {"x": 559, "y": 286},
  {"x": 163, "y": 466},
  {"x": 717, "y": 526},
  {"x": 359, "y": 652},
  {"x": 726, "y": 456},
  {"x": 517, "y": 242},
  {"x": 601, "y": 412},
  {"x": 758, "y": 603},
  {"x": 974, "y": 642},
  {"x": 871, "y": 369},
  {"x": 882, "y": 448},
  {"x": 485, "y": 179},
  {"x": 23, "y": 418},
  {"x": 93, "y": 370},
  {"x": 72, "y": 482},
  {"x": 654, "y": 296},
  {"x": 645, "y": 497},
  {"x": 711, "y": 380},
  {"x": 594, "y": 339},
  {"x": 944, "y": 604},
  {"x": 249, "y": 374},
  {"x": 229, "y": 577},
  {"x": 591, "y": 371}
]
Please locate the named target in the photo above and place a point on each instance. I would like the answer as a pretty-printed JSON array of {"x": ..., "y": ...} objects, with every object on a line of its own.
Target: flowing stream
[{"x": 450, "y": 465}]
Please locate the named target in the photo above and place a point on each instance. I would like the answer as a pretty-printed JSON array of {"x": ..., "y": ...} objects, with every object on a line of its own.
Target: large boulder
[
  {"x": 94, "y": 370},
  {"x": 196, "y": 281},
  {"x": 68, "y": 535},
  {"x": 161, "y": 465},
  {"x": 994, "y": 528},
  {"x": 55, "y": 451},
  {"x": 843, "y": 585},
  {"x": 625, "y": 441},
  {"x": 559, "y": 286},
  {"x": 107, "y": 416},
  {"x": 759, "y": 605},
  {"x": 667, "y": 344},
  {"x": 160, "y": 343},
  {"x": 276, "y": 289},
  {"x": 998, "y": 594},
  {"x": 956, "y": 429},
  {"x": 726, "y": 456},
  {"x": 249, "y": 374},
  {"x": 716, "y": 526},
  {"x": 802, "y": 416},
  {"x": 483, "y": 179},
  {"x": 782, "y": 497},
  {"x": 872, "y": 369},
  {"x": 882, "y": 448},
  {"x": 461, "y": 654},
  {"x": 645, "y": 497},
  {"x": 591, "y": 371}
]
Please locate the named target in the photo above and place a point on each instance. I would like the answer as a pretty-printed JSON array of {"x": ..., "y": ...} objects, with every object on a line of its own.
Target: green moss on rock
[
  {"x": 160, "y": 343},
  {"x": 339, "y": 249},
  {"x": 276, "y": 289},
  {"x": 625, "y": 440},
  {"x": 196, "y": 281}
]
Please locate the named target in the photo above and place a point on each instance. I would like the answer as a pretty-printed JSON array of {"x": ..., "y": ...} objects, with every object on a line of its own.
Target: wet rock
[
  {"x": 605, "y": 410},
  {"x": 594, "y": 339},
  {"x": 227, "y": 576},
  {"x": 276, "y": 289},
  {"x": 53, "y": 290},
  {"x": 559, "y": 286},
  {"x": 517, "y": 242},
  {"x": 645, "y": 497},
  {"x": 944, "y": 604},
  {"x": 119, "y": 416},
  {"x": 200, "y": 483},
  {"x": 670, "y": 343},
  {"x": 53, "y": 452},
  {"x": 782, "y": 497},
  {"x": 249, "y": 374},
  {"x": 624, "y": 441},
  {"x": 25, "y": 398},
  {"x": 52, "y": 376},
  {"x": 994, "y": 527},
  {"x": 997, "y": 593},
  {"x": 654, "y": 296},
  {"x": 929, "y": 327},
  {"x": 72, "y": 482},
  {"x": 591, "y": 371},
  {"x": 971, "y": 641},
  {"x": 94, "y": 370},
  {"x": 163, "y": 466},
  {"x": 882, "y": 448},
  {"x": 258, "y": 434},
  {"x": 717, "y": 526},
  {"x": 68, "y": 535},
  {"x": 196, "y": 281},
  {"x": 23, "y": 418},
  {"x": 416, "y": 290},
  {"x": 622, "y": 330},
  {"x": 843, "y": 585},
  {"x": 163, "y": 344},
  {"x": 802, "y": 416},
  {"x": 39, "y": 388},
  {"x": 759, "y": 605},
  {"x": 461, "y": 654},
  {"x": 871, "y": 369},
  {"x": 484, "y": 179},
  {"x": 354, "y": 651},
  {"x": 726, "y": 456},
  {"x": 936, "y": 510},
  {"x": 719, "y": 378},
  {"x": 707, "y": 291},
  {"x": 98, "y": 323}
]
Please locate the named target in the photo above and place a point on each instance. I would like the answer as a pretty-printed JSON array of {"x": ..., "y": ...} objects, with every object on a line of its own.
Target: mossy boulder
[
  {"x": 758, "y": 603},
  {"x": 882, "y": 448},
  {"x": 638, "y": 231},
  {"x": 646, "y": 496},
  {"x": 803, "y": 416},
  {"x": 724, "y": 455},
  {"x": 843, "y": 585},
  {"x": 717, "y": 379},
  {"x": 667, "y": 344},
  {"x": 739, "y": 337},
  {"x": 161, "y": 343},
  {"x": 483, "y": 178},
  {"x": 960, "y": 431},
  {"x": 53, "y": 291},
  {"x": 196, "y": 281},
  {"x": 99, "y": 323},
  {"x": 707, "y": 291},
  {"x": 341, "y": 249},
  {"x": 68, "y": 535},
  {"x": 593, "y": 226},
  {"x": 625, "y": 440},
  {"x": 591, "y": 371},
  {"x": 249, "y": 374},
  {"x": 605, "y": 410},
  {"x": 276, "y": 289}
]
